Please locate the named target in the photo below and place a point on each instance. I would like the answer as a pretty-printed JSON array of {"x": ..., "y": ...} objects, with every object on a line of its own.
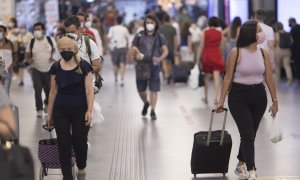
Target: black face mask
[{"x": 67, "y": 55}]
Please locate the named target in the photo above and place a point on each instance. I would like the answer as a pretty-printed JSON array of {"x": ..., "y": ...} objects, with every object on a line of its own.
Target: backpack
[
  {"x": 284, "y": 40},
  {"x": 49, "y": 41},
  {"x": 98, "y": 78}
]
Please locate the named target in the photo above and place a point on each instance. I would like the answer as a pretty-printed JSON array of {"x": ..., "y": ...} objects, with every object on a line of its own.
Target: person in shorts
[{"x": 152, "y": 47}]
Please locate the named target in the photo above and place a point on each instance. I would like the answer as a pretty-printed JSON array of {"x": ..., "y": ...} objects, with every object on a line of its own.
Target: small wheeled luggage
[
  {"x": 49, "y": 157},
  {"x": 211, "y": 150},
  {"x": 180, "y": 73}
]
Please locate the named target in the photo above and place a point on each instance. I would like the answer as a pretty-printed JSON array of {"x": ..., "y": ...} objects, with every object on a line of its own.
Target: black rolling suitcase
[
  {"x": 180, "y": 73},
  {"x": 211, "y": 150}
]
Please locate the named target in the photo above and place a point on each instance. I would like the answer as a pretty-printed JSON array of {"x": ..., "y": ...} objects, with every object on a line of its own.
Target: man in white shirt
[
  {"x": 87, "y": 24},
  {"x": 72, "y": 25},
  {"x": 39, "y": 54},
  {"x": 118, "y": 36},
  {"x": 269, "y": 42}
]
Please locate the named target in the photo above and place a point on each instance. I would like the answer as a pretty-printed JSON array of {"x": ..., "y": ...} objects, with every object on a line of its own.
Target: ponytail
[{"x": 77, "y": 61}]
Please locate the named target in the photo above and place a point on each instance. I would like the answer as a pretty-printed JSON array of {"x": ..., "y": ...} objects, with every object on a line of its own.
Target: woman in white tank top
[{"x": 247, "y": 67}]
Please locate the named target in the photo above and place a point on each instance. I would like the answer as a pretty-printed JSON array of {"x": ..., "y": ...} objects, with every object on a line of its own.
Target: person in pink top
[{"x": 247, "y": 67}]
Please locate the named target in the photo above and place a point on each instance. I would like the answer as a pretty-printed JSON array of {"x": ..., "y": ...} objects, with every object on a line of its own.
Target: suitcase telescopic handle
[{"x": 210, "y": 126}]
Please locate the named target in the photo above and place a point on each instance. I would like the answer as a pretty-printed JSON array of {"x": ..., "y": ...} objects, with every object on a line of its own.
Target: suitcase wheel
[
  {"x": 195, "y": 175},
  {"x": 224, "y": 174}
]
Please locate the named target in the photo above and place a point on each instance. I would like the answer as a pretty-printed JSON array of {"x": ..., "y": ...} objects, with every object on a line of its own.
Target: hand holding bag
[{"x": 275, "y": 133}]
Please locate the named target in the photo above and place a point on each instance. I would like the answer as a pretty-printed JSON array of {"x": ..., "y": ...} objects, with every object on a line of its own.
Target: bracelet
[{"x": 275, "y": 100}]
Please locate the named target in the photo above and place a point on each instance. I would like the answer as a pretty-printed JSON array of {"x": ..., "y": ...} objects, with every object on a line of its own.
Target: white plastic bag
[
  {"x": 275, "y": 133},
  {"x": 194, "y": 77},
  {"x": 97, "y": 114},
  {"x": 186, "y": 54}
]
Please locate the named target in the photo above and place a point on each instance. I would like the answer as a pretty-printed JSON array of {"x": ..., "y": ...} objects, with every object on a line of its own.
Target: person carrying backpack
[
  {"x": 88, "y": 49},
  {"x": 39, "y": 54},
  {"x": 8, "y": 58},
  {"x": 150, "y": 48},
  {"x": 283, "y": 42}
]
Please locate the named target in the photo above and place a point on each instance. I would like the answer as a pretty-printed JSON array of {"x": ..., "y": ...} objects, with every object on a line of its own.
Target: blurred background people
[
  {"x": 8, "y": 58},
  {"x": 211, "y": 57},
  {"x": 39, "y": 53},
  {"x": 283, "y": 42},
  {"x": 169, "y": 33},
  {"x": 231, "y": 34},
  {"x": 295, "y": 32},
  {"x": 118, "y": 36}
]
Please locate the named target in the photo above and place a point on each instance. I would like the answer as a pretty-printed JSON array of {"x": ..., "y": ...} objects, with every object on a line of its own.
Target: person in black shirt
[{"x": 70, "y": 106}]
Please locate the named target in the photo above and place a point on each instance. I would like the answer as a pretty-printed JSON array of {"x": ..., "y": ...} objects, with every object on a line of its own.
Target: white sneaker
[
  {"x": 252, "y": 175},
  {"x": 240, "y": 168},
  {"x": 39, "y": 114},
  {"x": 241, "y": 171}
]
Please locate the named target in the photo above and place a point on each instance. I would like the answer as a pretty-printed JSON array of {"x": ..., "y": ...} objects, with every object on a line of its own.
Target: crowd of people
[{"x": 63, "y": 66}]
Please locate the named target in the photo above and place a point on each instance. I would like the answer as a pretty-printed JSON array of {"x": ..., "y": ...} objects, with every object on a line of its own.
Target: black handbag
[
  {"x": 16, "y": 162},
  {"x": 98, "y": 81},
  {"x": 201, "y": 79},
  {"x": 143, "y": 71}
]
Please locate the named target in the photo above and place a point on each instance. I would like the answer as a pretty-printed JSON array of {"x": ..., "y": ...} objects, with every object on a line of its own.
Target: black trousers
[
  {"x": 247, "y": 104},
  {"x": 41, "y": 81},
  {"x": 71, "y": 131}
]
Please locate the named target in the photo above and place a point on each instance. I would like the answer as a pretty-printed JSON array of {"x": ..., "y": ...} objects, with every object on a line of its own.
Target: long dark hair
[
  {"x": 236, "y": 23},
  {"x": 153, "y": 18},
  {"x": 185, "y": 29},
  {"x": 247, "y": 34}
]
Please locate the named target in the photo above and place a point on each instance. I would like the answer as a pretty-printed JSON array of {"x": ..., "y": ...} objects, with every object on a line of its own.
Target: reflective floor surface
[{"x": 127, "y": 146}]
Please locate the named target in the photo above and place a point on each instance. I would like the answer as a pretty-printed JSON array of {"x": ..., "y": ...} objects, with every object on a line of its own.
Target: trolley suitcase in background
[
  {"x": 211, "y": 150},
  {"x": 180, "y": 73}
]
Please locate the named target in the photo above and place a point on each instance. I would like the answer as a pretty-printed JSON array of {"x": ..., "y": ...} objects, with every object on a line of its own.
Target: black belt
[{"x": 237, "y": 85}]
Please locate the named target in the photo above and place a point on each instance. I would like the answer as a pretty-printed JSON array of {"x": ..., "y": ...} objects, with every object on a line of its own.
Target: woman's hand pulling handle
[
  {"x": 219, "y": 107},
  {"x": 49, "y": 121}
]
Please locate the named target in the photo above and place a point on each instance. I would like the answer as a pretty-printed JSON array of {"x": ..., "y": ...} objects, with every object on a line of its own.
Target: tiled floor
[{"x": 128, "y": 147}]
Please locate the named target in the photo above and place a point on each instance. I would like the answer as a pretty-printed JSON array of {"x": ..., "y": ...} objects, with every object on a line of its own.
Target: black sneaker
[
  {"x": 153, "y": 115},
  {"x": 145, "y": 108}
]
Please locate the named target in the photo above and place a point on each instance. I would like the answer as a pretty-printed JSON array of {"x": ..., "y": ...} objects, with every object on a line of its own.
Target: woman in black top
[{"x": 70, "y": 106}]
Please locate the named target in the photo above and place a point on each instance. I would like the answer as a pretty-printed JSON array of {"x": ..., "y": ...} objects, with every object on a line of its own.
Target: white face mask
[
  {"x": 88, "y": 24},
  {"x": 150, "y": 27},
  {"x": 82, "y": 25},
  {"x": 38, "y": 34},
  {"x": 23, "y": 31},
  {"x": 1, "y": 35}
]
